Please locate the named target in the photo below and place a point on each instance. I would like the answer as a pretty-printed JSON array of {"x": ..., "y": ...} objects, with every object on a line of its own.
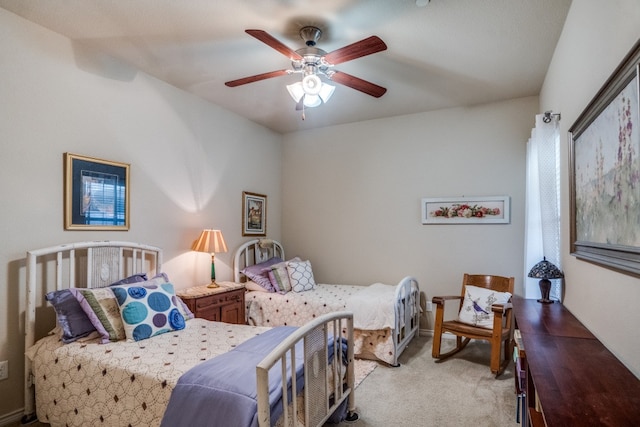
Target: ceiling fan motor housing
[{"x": 310, "y": 35}]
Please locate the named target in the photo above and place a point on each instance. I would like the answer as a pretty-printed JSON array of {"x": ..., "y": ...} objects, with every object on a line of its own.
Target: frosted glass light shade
[{"x": 297, "y": 90}]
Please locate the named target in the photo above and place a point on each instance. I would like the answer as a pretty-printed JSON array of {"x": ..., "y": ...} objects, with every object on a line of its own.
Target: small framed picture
[
  {"x": 96, "y": 194},
  {"x": 254, "y": 214}
]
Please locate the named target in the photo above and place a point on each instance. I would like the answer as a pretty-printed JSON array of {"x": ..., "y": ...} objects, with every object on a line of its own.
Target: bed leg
[
  {"x": 28, "y": 419},
  {"x": 352, "y": 417}
]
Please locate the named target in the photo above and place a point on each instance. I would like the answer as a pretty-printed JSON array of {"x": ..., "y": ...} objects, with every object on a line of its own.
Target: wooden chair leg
[
  {"x": 437, "y": 341},
  {"x": 460, "y": 344}
]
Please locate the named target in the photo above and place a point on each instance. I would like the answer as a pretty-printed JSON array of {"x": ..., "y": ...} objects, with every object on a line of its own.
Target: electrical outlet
[
  {"x": 429, "y": 306},
  {"x": 4, "y": 370}
]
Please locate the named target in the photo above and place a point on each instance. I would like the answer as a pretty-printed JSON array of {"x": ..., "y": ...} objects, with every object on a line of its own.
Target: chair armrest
[
  {"x": 441, "y": 300},
  {"x": 501, "y": 308}
]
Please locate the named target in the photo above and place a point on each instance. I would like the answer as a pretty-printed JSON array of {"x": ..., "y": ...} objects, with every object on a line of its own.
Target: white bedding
[
  {"x": 86, "y": 383},
  {"x": 298, "y": 308},
  {"x": 373, "y": 307}
]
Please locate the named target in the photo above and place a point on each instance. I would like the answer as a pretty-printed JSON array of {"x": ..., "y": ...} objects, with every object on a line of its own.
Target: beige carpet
[
  {"x": 362, "y": 368},
  {"x": 460, "y": 391}
]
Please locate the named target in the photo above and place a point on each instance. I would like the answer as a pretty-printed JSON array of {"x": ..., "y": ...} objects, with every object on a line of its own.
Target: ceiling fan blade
[
  {"x": 300, "y": 104},
  {"x": 271, "y": 41},
  {"x": 256, "y": 78},
  {"x": 356, "y": 50},
  {"x": 358, "y": 84}
]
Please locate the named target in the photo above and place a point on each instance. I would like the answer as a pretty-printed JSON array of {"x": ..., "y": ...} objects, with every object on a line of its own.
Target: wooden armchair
[{"x": 499, "y": 335}]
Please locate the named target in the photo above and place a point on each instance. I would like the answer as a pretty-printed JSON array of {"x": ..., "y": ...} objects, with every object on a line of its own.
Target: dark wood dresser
[
  {"x": 222, "y": 304},
  {"x": 572, "y": 379}
]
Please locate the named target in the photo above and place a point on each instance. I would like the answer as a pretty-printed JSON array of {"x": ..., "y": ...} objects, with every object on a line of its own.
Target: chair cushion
[{"x": 476, "y": 308}]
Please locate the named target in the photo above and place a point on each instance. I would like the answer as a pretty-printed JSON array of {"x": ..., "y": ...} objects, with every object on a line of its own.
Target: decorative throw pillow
[
  {"x": 300, "y": 276},
  {"x": 161, "y": 278},
  {"x": 148, "y": 310},
  {"x": 140, "y": 277},
  {"x": 71, "y": 317},
  {"x": 259, "y": 273},
  {"x": 279, "y": 276},
  {"x": 476, "y": 308},
  {"x": 102, "y": 310}
]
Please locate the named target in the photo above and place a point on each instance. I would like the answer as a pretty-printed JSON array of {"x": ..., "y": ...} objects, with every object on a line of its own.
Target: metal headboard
[{"x": 254, "y": 252}]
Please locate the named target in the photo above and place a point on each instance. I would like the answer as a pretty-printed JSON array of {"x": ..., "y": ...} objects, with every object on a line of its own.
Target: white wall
[
  {"x": 351, "y": 196},
  {"x": 596, "y": 37},
  {"x": 185, "y": 157}
]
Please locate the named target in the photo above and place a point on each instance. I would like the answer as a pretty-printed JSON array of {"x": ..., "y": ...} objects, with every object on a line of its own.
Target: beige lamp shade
[{"x": 210, "y": 241}]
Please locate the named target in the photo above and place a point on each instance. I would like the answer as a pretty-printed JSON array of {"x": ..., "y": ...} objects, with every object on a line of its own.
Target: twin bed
[
  {"x": 91, "y": 380},
  {"x": 386, "y": 318}
]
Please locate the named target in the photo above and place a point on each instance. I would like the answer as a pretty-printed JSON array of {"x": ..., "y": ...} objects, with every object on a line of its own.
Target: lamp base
[
  {"x": 545, "y": 289},
  {"x": 213, "y": 285}
]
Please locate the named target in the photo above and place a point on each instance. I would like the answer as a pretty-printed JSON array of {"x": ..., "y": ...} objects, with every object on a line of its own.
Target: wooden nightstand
[{"x": 222, "y": 304}]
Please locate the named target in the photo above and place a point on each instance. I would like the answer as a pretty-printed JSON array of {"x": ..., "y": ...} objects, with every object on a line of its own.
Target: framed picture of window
[
  {"x": 604, "y": 172},
  {"x": 96, "y": 194},
  {"x": 254, "y": 214}
]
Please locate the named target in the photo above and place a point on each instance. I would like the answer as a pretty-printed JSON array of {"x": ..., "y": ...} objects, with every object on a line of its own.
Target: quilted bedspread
[
  {"x": 298, "y": 308},
  {"x": 123, "y": 383}
]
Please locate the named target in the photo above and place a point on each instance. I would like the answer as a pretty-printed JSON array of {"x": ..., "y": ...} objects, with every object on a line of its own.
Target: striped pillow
[{"x": 279, "y": 276}]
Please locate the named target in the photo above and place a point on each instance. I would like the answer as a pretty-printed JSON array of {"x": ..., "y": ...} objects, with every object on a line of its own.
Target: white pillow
[
  {"x": 476, "y": 308},
  {"x": 300, "y": 276}
]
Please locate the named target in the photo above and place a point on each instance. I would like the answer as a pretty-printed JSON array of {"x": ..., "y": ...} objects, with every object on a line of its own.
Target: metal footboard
[{"x": 324, "y": 387}]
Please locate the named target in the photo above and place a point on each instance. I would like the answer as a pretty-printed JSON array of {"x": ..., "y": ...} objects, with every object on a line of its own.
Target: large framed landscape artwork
[{"x": 605, "y": 173}]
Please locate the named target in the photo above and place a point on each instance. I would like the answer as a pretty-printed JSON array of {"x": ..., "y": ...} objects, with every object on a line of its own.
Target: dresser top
[
  {"x": 578, "y": 380},
  {"x": 204, "y": 290}
]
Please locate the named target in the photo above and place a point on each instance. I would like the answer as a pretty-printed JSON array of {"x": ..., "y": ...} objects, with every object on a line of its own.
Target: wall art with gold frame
[{"x": 96, "y": 194}]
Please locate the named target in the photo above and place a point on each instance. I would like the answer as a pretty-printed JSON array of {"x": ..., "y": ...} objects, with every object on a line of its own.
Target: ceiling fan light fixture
[
  {"x": 311, "y": 101},
  {"x": 311, "y": 84},
  {"x": 326, "y": 91},
  {"x": 297, "y": 91}
]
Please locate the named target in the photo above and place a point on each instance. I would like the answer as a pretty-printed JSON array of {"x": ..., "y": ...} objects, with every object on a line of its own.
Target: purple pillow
[
  {"x": 259, "y": 273},
  {"x": 136, "y": 278},
  {"x": 71, "y": 317}
]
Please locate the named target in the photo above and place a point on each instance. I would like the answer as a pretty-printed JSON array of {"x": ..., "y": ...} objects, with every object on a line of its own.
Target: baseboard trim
[{"x": 11, "y": 417}]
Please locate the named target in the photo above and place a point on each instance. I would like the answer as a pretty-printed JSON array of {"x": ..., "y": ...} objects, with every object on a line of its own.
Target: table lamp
[
  {"x": 210, "y": 241},
  {"x": 544, "y": 270}
]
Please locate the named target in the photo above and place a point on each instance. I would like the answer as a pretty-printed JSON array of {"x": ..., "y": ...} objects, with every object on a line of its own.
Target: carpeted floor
[{"x": 460, "y": 391}]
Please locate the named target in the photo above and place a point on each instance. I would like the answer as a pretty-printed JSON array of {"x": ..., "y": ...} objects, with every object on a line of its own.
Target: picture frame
[
  {"x": 466, "y": 210},
  {"x": 96, "y": 194},
  {"x": 604, "y": 182},
  {"x": 254, "y": 214}
]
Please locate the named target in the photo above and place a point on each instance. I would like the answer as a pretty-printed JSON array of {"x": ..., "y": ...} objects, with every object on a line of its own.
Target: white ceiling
[{"x": 448, "y": 53}]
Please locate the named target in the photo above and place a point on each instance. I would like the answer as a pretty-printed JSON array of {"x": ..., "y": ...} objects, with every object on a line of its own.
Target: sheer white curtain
[{"x": 542, "y": 210}]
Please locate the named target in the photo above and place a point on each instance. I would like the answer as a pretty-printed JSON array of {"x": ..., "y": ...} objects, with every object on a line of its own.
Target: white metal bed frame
[
  {"x": 407, "y": 295},
  {"x": 104, "y": 262}
]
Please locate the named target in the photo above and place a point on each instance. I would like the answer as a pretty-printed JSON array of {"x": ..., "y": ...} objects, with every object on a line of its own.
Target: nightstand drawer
[
  {"x": 222, "y": 304},
  {"x": 204, "y": 302}
]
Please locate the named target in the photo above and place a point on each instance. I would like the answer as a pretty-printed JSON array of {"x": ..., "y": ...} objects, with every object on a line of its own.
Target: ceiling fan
[{"x": 313, "y": 62}]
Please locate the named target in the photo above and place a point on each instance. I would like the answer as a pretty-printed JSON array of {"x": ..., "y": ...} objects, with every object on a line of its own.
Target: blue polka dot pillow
[{"x": 148, "y": 309}]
